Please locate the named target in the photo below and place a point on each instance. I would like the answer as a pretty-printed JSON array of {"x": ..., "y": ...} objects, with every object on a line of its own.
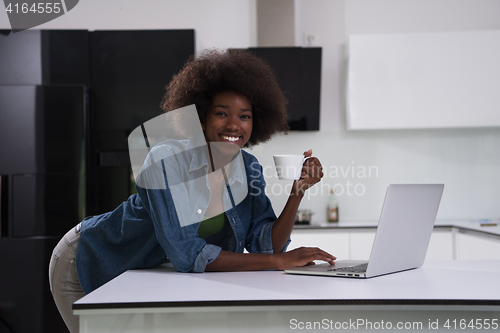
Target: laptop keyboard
[{"x": 355, "y": 269}]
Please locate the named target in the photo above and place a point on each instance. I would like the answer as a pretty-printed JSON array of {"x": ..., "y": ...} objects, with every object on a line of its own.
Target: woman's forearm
[
  {"x": 311, "y": 174},
  {"x": 231, "y": 261},
  {"x": 283, "y": 226}
]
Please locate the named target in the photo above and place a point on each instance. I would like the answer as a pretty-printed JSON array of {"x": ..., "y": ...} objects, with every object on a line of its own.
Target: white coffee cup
[{"x": 289, "y": 166}]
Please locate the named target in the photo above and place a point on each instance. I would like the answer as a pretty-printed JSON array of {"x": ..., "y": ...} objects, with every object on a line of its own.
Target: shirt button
[{"x": 199, "y": 211}]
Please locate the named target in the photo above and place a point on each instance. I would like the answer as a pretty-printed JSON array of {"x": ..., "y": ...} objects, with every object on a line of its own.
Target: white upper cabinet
[{"x": 424, "y": 80}]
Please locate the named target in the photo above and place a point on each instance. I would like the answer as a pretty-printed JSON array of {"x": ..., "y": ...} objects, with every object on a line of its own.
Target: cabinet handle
[{"x": 3, "y": 206}]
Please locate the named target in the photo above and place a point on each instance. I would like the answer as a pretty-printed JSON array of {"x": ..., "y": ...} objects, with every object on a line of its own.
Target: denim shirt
[
  {"x": 182, "y": 167},
  {"x": 144, "y": 230}
]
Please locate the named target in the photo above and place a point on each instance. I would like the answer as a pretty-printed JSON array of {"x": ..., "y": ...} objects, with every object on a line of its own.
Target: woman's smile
[{"x": 231, "y": 138}]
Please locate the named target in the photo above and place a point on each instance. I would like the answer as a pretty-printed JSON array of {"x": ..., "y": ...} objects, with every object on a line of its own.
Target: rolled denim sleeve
[
  {"x": 266, "y": 240},
  {"x": 207, "y": 255},
  {"x": 182, "y": 244}
]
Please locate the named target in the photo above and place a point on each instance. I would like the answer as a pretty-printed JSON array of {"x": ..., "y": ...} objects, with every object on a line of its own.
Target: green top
[{"x": 212, "y": 225}]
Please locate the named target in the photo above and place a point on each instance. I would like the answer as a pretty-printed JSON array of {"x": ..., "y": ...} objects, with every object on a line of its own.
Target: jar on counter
[{"x": 333, "y": 207}]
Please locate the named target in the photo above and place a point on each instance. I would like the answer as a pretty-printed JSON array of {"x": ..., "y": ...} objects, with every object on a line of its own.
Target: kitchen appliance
[
  {"x": 298, "y": 71},
  {"x": 303, "y": 216},
  {"x": 63, "y": 147}
]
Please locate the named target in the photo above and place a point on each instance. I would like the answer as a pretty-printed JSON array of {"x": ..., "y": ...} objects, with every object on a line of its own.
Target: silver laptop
[{"x": 402, "y": 238}]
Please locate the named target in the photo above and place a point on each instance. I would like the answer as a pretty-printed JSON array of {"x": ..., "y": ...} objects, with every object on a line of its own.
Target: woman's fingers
[
  {"x": 304, "y": 256},
  {"x": 323, "y": 255},
  {"x": 312, "y": 170}
]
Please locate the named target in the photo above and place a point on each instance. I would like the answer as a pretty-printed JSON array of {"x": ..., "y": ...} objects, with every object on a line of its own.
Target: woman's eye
[
  {"x": 220, "y": 113},
  {"x": 246, "y": 116}
]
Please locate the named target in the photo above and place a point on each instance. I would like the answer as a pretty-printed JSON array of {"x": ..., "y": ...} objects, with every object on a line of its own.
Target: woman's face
[{"x": 229, "y": 119}]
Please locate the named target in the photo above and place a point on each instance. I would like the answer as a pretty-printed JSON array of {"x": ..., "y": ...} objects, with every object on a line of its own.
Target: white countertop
[
  {"x": 469, "y": 282},
  {"x": 477, "y": 225}
]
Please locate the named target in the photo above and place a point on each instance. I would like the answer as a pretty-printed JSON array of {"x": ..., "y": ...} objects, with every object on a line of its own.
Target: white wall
[
  {"x": 467, "y": 161},
  {"x": 218, "y": 23}
]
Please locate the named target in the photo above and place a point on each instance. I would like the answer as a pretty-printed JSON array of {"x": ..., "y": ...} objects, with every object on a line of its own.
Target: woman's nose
[{"x": 232, "y": 123}]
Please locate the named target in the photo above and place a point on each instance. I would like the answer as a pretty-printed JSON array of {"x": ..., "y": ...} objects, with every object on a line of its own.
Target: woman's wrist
[
  {"x": 275, "y": 260},
  {"x": 296, "y": 191}
]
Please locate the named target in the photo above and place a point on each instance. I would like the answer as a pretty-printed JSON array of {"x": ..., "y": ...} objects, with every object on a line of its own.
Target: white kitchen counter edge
[{"x": 461, "y": 225}]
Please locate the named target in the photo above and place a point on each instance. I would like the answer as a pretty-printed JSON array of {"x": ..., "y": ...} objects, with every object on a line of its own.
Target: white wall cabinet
[
  {"x": 446, "y": 243},
  {"x": 361, "y": 243},
  {"x": 427, "y": 80},
  {"x": 335, "y": 242},
  {"x": 441, "y": 246},
  {"x": 473, "y": 245}
]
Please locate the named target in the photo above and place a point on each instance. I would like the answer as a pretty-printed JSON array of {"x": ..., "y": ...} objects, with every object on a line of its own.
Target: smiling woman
[{"x": 223, "y": 207}]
